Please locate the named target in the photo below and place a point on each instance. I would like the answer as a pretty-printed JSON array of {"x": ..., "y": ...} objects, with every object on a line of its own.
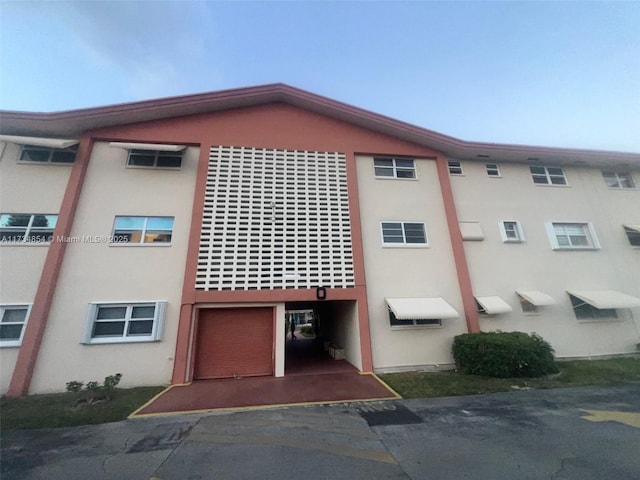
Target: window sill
[
  {"x": 146, "y": 245},
  {"x": 600, "y": 320},
  {"x": 11, "y": 344},
  {"x": 513, "y": 241},
  {"x": 576, "y": 249},
  {"x": 404, "y": 245},
  {"x": 414, "y": 327},
  {"x": 111, "y": 341},
  {"x": 24, "y": 244},
  {"x": 135, "y": 167},
  {"x": 551, "y": 185},
  {"x": 55, "y": 164},
  {"x": 624, "y": 189},
  {"x": 396, "y": 178}
]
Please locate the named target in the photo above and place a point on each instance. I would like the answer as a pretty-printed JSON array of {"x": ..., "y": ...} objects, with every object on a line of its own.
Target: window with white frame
[
  {"x": 414, "y": 322},
  {"x": 511, "y": 231},
  {"x": 547, "y": 175},
  {"x": 394, "y": 167},
  {"x": 154, "y": 159},
  {"x": 572, "y": 236},
  {"x": 455, "y": 168},
  {"x": 125, "y": 322},
  {"x": 618, "y": 179},
  {"x": 493, "y": 170},
  {"x": 41, "y": 155},
  {"x": 142, "y": 230},
  {"x": 585, "y": 311},
  {"x": 13, "y": 319},
  {"x": 403, "y": 233},
  {"x": 25, "y": 228}
]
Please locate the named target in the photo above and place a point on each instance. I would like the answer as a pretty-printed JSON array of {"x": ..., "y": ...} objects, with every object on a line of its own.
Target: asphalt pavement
[{"x": 574, "y": 433}]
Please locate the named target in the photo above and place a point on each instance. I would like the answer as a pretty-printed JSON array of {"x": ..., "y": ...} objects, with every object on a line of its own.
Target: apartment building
[{"x": 168, "y": 240}]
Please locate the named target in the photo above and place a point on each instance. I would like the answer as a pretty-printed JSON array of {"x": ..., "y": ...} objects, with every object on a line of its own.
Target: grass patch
[
  {"x": 55, "y": 410},
  {"x": 572, "y": 374}
]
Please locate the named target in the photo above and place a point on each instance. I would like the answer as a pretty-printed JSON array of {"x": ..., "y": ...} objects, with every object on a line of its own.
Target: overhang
[
  {"x": 40, "y": 141},
  {"x": 421, "y": 308},
  {"x": 534, "y": 297},
  {"x": 74, "y": 122},
  {"x": 604, "y": 299},
  {"x": 493, "y": 305},
  {"x": 159, "y": 147}
]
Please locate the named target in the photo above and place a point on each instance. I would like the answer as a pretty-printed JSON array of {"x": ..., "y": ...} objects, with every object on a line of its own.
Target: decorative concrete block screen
[{"x": 275, "y": 219}]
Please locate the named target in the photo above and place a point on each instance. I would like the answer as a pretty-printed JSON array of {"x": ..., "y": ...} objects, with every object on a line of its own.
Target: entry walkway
[{"x": 311, "y": 377}]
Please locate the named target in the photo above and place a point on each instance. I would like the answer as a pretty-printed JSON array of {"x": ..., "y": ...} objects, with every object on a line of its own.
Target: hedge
[{"x": 503, "y": 354}]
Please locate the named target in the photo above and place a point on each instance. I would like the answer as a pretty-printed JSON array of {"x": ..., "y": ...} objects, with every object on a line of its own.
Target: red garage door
[{"x": 234, "y": 342}]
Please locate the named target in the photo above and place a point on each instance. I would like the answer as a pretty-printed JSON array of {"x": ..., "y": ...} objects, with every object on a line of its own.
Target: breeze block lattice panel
[{"x": 275, "y": 219}]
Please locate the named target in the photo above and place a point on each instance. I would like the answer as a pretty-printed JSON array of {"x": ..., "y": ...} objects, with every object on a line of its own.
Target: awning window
[
  {"x": 492, "y": 305},
  {"x": 39, "y": 141},
  {"x": 606, "y": 299},
  {"x": 633, "y": 234},
  {"x": 155, "y": 147},
  {"x": 420, "y": 308},
  {"x": 534, "y": 297}
]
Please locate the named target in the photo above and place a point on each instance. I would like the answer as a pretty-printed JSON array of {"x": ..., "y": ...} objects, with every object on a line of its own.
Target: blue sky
[{"x": 542, "y": 73}]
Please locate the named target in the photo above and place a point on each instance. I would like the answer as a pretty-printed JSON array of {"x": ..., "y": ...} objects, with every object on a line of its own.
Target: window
[
  {"x": 633, "y": 234},
  {"x": 511, "y": 232},
  {"x": 528, "y": 307},
  {"x": 572, "y": 236},
  {"x": 585, "y": 311},
  {"x": 38, "y": 154},
  {"x": 414, "y": 322},
  {"x": 618, "y": 179},
  {"x": 548, "y": 175},
  {"x": 403, "y": 233},
  {"x": 143, "y": 230},
  {"x": 394, "y": 167},
  {"x": 13, "y": 318},
  {"x": 125, "y": 322},
  {"x": 455, "y": 168},
  {"x": 26, "y": 228},
  {"x": 493, "y": 170},
  {"x": 154, "y": 159}
]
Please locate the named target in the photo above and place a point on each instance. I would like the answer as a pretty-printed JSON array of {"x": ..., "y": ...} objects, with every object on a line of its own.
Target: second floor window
[
  {"x": 618, "y": 179},
  {"x": 394, "y": 167},
  {"x": 143, "y": 230},
  {"x": 547, "y": 175},
  {"x": 38, "y": 154},
  {"x": 403, "y": 233}
]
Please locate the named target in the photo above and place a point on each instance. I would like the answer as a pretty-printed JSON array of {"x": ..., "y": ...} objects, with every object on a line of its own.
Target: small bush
[
  {"x": 503, "y": 354},
  {"x": 93, "y": 392}
]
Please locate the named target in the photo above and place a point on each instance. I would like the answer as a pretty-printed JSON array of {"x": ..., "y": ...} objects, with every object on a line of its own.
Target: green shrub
[{"x": 503, "y": 354}]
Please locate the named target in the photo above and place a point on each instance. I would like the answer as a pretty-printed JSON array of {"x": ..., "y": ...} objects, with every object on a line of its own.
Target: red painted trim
[
  {"x": 460, "y": 258},
  {"x": 34, "y": 330},
  {"x": 366, "y": 354},
  {"x": 183, "y": 340}
]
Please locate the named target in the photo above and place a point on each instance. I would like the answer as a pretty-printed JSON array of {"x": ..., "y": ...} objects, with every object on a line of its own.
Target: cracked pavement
[{"x": 575, "y": 433}]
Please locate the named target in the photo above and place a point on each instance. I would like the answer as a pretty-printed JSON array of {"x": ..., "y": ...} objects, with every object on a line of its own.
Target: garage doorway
[{"x": 234, "y": 342}]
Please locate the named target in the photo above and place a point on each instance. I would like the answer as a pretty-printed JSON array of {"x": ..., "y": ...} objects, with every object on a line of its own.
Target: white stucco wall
[
  {"x": 102, "y": 272},
  {"x": 405, "y": 271},
  {"x": 24, "y": 188},
  {"x": 499, "y": 268}
]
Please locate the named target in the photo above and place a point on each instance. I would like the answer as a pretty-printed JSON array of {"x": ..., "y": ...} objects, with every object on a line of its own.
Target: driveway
[{"x": 575, "y": 433}]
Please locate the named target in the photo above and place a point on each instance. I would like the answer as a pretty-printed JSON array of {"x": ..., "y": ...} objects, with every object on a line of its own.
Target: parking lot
[{"x": 575, "y": 433}]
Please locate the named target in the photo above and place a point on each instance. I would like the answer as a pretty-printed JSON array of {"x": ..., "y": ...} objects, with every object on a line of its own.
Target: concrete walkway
[{"x": 575, "y": 433}]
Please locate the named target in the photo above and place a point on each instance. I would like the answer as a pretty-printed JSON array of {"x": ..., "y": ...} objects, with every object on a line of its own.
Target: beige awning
[
  {"x": 39, "y": 141},
  {"x": 471, "y": 231},
  {"x": 606, "y": 299},
  {"x": 633, "y": 227},
  {"x": 420, "y": 308},
  {"x": 534, "y": 297},
  {"x": 493, "y": 305},
  {"x": 158, "y": 147}
]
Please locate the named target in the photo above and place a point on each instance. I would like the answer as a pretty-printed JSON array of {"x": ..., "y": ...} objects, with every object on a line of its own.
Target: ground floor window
[
  {"x": 125, "y": 322},
  {"x": 13, "y": 319},
  {"x": 395, "y": 322},
  {"x": 585, "y": 311}
]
